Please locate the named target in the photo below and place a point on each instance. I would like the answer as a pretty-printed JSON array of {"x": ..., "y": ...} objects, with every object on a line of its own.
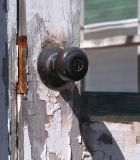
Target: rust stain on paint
[
  {"x": 52, "y": 41},
  {"x": 49, "y": 118},
  {"x": 22, "y": 76}
]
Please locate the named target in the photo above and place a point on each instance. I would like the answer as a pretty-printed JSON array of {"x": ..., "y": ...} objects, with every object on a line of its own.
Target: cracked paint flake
[
  {"x": 58, "y": 140},
  {"x": 27, "y": 146}
]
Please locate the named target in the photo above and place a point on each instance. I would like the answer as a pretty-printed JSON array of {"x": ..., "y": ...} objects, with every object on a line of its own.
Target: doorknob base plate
[{"x": 45, "y": 66}]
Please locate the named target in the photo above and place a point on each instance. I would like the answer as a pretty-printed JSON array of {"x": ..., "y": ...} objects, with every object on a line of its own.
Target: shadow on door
[
  {"x": 98, "y": 139},
  {"x": 100, "y": 142}
]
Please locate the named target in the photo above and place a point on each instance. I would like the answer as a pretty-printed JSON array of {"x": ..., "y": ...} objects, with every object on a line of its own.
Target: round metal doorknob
[{"x": 57, "y": 65}]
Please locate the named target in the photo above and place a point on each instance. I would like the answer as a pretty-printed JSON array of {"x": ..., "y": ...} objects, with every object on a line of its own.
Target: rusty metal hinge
[{"x": 22, "y": 61}]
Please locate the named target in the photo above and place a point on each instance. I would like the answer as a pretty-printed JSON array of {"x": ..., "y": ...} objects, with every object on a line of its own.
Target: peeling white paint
[
  {"x": 44, "y": 152},
  {"x": 58, "y": 140},
  {"x": 79, "y": 139},
  {"x": 11, "y": 19},
  {"x": 27, "y": 146},
  {"x": 44, "y": 23},
  {"x": 52, "y": 108},
  {"x": 18, "y": 103}
]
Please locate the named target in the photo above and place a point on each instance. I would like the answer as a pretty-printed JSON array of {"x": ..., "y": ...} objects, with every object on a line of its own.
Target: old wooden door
[{"x": 45, "y": 124}]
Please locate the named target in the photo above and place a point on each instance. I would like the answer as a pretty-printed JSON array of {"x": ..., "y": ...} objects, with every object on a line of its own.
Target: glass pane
[{"x": 109, "y": 10}]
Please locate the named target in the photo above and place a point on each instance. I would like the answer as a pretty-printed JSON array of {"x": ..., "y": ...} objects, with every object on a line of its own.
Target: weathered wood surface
[
  {"x": 11, "y": 9},
  {"x": 126, "y": 24},
  {"x": 8, "y": 80},
  {"x": 112, "y": 141},
  {"x": 109, "y": 42},
  {"x": 108, "y": 125},
  {"x": 53, "y": 128}
]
